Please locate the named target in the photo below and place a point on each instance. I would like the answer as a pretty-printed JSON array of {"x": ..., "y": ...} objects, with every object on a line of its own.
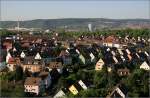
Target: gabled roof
[
  {"x": 84, "y": 52},
  {"x": 11, "y": 60},
  {"x": 72, "y": 51},
  {"x": 94, "y": 51},
  {"x": 118, "y": 91},
  {"x": 55, "y": 64},
  {"x": 63, "y": 53},
  {"x": 144, "y": 64},
  {"x": 30, "y": 60},
  {"x": 111, "y": 39},
  {"x": 35, "y": 81},
  {"x": 82, "y": 84},
  {"x": 22, "y": 55},
  {"x": 100, "y": 61},
  {"x": 38, "y": 56}
]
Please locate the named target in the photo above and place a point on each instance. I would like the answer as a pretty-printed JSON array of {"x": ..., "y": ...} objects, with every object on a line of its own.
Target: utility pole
[{"x": 18, "y": 25}]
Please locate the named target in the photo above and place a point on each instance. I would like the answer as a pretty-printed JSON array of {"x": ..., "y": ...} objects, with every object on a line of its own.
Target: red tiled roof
[
  {"x": 11, "y": 60},
  {"x": 111, "y": 39}
]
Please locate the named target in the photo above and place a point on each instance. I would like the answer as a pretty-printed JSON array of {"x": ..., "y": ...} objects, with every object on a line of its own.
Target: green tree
[{"x": 19, "y": 73}]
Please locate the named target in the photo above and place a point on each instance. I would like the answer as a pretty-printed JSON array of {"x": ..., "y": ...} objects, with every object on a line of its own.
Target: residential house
[
  {"x": 73, "y": 90},
  {"x": 55, "y": 65},
  {"x": 120, "y": 51},
  {"x": 22, "y": 55},
  {"x": 82, "y": 84},
  {"x": 7, "y": 44},
  {"x": 112, "y": 41},
  {"x": 109, "y": 68},
  {"x": 113, "y": 53},
  {"x": 8, "y": 56},
  {"x": 12, "y": 63},
  {"x": 99, "y": 64},
  {"x": 76, "y": 87},
  {"x": 129, "y": 56},
  {"x": 137, "y": 55},
  {"x": 50, "y": 54},
  {"x": 123, "y": 72},
  {"x": 146, "y": 53},
  {"x": 32, "y": 65},
  {"x": 128, "y": 51},
  {"x": 115, "y": 59},
  {"x": 34, "y": 85},
  {"x": 84, "y": 56},
  {"x": 66, "y": 58},
  {"x": 60, "y": 94},
  {"x": 45, "y": 76},
  {"x": 118, "y": 91},
  {"x": 37, "y": 57},
  {"x": 122, "y": 57},
  {"x": 2, "y": 65},
  {"x": 93, "y": 58},
  {"x": 73, "y": 52},
  {"x": 145, "y": 66}
]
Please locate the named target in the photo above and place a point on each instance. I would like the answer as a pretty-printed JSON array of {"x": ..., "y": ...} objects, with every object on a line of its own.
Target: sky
[{"x": 50, "y": 9}]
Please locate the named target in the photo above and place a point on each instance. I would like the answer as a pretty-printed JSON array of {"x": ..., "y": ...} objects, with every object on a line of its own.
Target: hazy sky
[{"x": 50, "y": 9}]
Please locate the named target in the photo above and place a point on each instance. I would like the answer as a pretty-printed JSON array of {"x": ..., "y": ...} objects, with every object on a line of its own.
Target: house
[
  {"x": 49, "y": 54},
  {"x": 129, "y": 56},
  {"x": 123, "y": 72},
  {"x": 76, "y": 87},
  {"x": 73, "y": 52},
  {"x": 12, "y": 63},
  {"x": 137, "y": 55},
  {"x": 85, "y": 59},
  {"x": 66, "y": 57},
  {"x": 120, "y": 51},
  {"x": 73, "y": 90},
  {"x": 81, "y": 83},
  {"x": 108, "y": 49},
  {"x": 118, "y": 91},
  {"x": 128, "y": 51},
  {"x": 55, "y": 65},
  {"x": 7, "y": 44},
  {"x": 8, "y": 56},
  {"x": 115, "y": 59},
  {"x": 99, "y": 64},
  {"x": 60, "y": 94},
  {"x": 22, "y": 55},
  {"x": 146, "y": 53},
  {"x": 93, "y": 54},
  {"x": 112, "y": 41},
  {"x": 37, "y": 57},
  {"x": 32, "y": 65},
  {"x": 93, "y": 58},
  {"x": 45, "y": 76},
  {"x": 34, "y": 85},
  {"x": 145, "y": 66},
  {"x": 2, "y": 66},
  {"x": 84, "y": 56},
  {"x": 67, "y": 60},
  {"x": 113, "y": 53},
  {"x": 109, "y": 68},
  {"x": 95, "y": 50},
  {"x": 14, "y": 49},
  {"x": 122, "y": 57}
]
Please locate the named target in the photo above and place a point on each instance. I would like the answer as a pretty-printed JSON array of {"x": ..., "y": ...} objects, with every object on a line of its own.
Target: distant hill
[{"x": 79, "y": 23}]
